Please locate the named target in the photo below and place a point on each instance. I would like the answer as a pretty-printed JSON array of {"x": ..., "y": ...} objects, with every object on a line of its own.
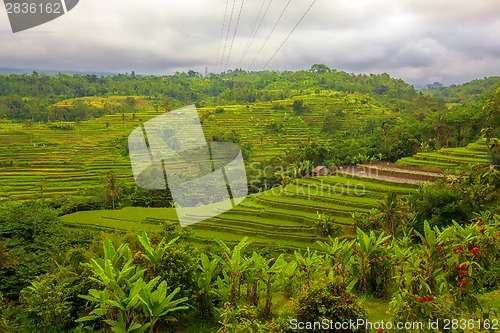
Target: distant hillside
[
  {"x": 7, "y": 71},
  {"x": 472, "y": 91}
]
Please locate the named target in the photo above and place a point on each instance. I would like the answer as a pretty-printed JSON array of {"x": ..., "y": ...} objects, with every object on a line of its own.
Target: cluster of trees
[
  {"x": 43, "y": 110},
  {"x": 459, "y": 93},
  {"x": 424, "y": 124},
  {"x": 237, "y": 86},
  {"x": 463, "y": 195},
  {"x": 114, "y": 194}
]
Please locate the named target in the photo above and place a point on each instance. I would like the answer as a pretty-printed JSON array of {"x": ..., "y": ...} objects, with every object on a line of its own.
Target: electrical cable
[
  {"x": 291, "y": 32},
  {"x": 234, "y": 35},
  {"x": 270, "y": 33},
  {"x": 221, "y": 35},
  {"x": 254, "y": 31},
  {"x": 227, "y": 35}
]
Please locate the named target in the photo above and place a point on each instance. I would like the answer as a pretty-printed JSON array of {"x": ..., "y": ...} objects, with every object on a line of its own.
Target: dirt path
[{"x": 391, "y": 172}]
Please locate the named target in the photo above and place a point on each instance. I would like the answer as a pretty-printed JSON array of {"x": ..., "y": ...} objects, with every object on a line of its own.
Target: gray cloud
[{"x": 420, "y": 41}]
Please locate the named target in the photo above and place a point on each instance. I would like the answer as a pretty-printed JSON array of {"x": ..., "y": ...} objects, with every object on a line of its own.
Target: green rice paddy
[{"x": 67, "y": 163}]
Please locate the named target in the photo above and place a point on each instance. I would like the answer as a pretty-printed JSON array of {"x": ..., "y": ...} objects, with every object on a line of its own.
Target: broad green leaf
[{"x": 86, "y": 318}]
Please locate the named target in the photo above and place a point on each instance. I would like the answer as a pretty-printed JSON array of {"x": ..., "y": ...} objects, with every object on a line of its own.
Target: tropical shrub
[
  {"x": 328, "y": 300},
  {"x": 130, "y": 298}
]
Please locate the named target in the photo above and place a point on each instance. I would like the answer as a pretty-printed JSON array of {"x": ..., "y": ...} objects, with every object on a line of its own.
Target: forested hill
[
  {"x": 469, "y": 91},
  {"x": 233, "y": 86},
  {"x": 344, "y": 109}
]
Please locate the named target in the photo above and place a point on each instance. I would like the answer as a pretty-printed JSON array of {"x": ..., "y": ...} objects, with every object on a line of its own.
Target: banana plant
[
  {"x": 126, "y": 309},
  {"x": 233, "y": 267},
  {"x": 308, "y": 264},
  {"x": 157, "y": 304},
  {"x": 368, "y": 249},
  {"x": 289, "y": 275},
  {"x": 401, "y": 250},
  {"x": 116, "y": 269},
  {"x": 338, "y": 255},
  {"x": 126, "y": 302},
  {"x": 205, "y": 277},
  {"x": 411, "y": 300},
  {"x": 253, "y": 277},
  {"x": 272, "y": 279},
  {"x": 154, "y": 255},
  {"x": 117, "y": 307}
]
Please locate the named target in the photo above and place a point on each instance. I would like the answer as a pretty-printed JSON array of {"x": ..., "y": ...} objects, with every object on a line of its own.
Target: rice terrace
[{"x": 360, "y": 187}]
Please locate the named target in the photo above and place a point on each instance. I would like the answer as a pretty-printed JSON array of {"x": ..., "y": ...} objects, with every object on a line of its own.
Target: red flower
[
  {"x": 457, "y": 250},
  {"x": 463, "y": 266},
  {"x": 474, "y": 250},
  {"x": 421, "y": 299},
  {"x": 380, "y": 330},
  {"x": 462, "y": 283},
  {"x": 463, "y": 273},
  {"x": 482, "y": 230},
  {"x": 480, "y": 223},
  {"x": 430, "y": 298}
]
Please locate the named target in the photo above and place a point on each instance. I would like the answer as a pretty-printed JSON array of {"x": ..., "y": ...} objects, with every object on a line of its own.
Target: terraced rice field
[
  {"x": 286, "y": 216},
  {"x": 68, "y": 163},
  {"x": 449, "y": 158},
  {"x": 64, "y": 162},
  {"x": 281, "y": 216}
]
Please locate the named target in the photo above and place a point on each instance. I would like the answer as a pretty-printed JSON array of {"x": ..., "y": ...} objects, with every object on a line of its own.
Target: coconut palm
[
  {"x": 391, "y": 215},
  {"x": 112, "y": 188}
]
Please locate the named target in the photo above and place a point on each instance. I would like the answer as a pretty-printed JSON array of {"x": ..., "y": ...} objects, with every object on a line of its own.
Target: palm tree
[
  {"x": 391, "y": 215},
  {"x": 307, "y": 167},
  {"x": 440, "y": 128},
  {"x": 111, "y": 186},
  {"x": 492, "y": 111}
]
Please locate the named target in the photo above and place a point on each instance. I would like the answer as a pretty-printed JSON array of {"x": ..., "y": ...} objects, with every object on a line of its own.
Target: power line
[
  {"x": 234, "y": 35},
  {"x": 272, "y": 30},
  {"x": 254, "y": 31},
  {"x": 291, "y": 32},
  {"x": 227, "y": 35},
  {"x": 221, "y": 35}
]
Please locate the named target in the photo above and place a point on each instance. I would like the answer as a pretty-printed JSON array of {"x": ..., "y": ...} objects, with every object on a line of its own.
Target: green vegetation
[
  {"x": 404, "y": 227},
  {"x": 134, "y": 284}
]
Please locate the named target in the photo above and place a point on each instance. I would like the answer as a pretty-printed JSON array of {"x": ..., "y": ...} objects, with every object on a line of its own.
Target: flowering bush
[{"x": 453, "y": 265}]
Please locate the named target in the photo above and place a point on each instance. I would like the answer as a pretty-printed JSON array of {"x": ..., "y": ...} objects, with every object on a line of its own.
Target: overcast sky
[{"x": 420, "y": 41}]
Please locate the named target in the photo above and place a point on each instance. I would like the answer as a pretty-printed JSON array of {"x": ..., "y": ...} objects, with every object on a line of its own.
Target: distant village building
[{"x": 320, "y": 170}]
